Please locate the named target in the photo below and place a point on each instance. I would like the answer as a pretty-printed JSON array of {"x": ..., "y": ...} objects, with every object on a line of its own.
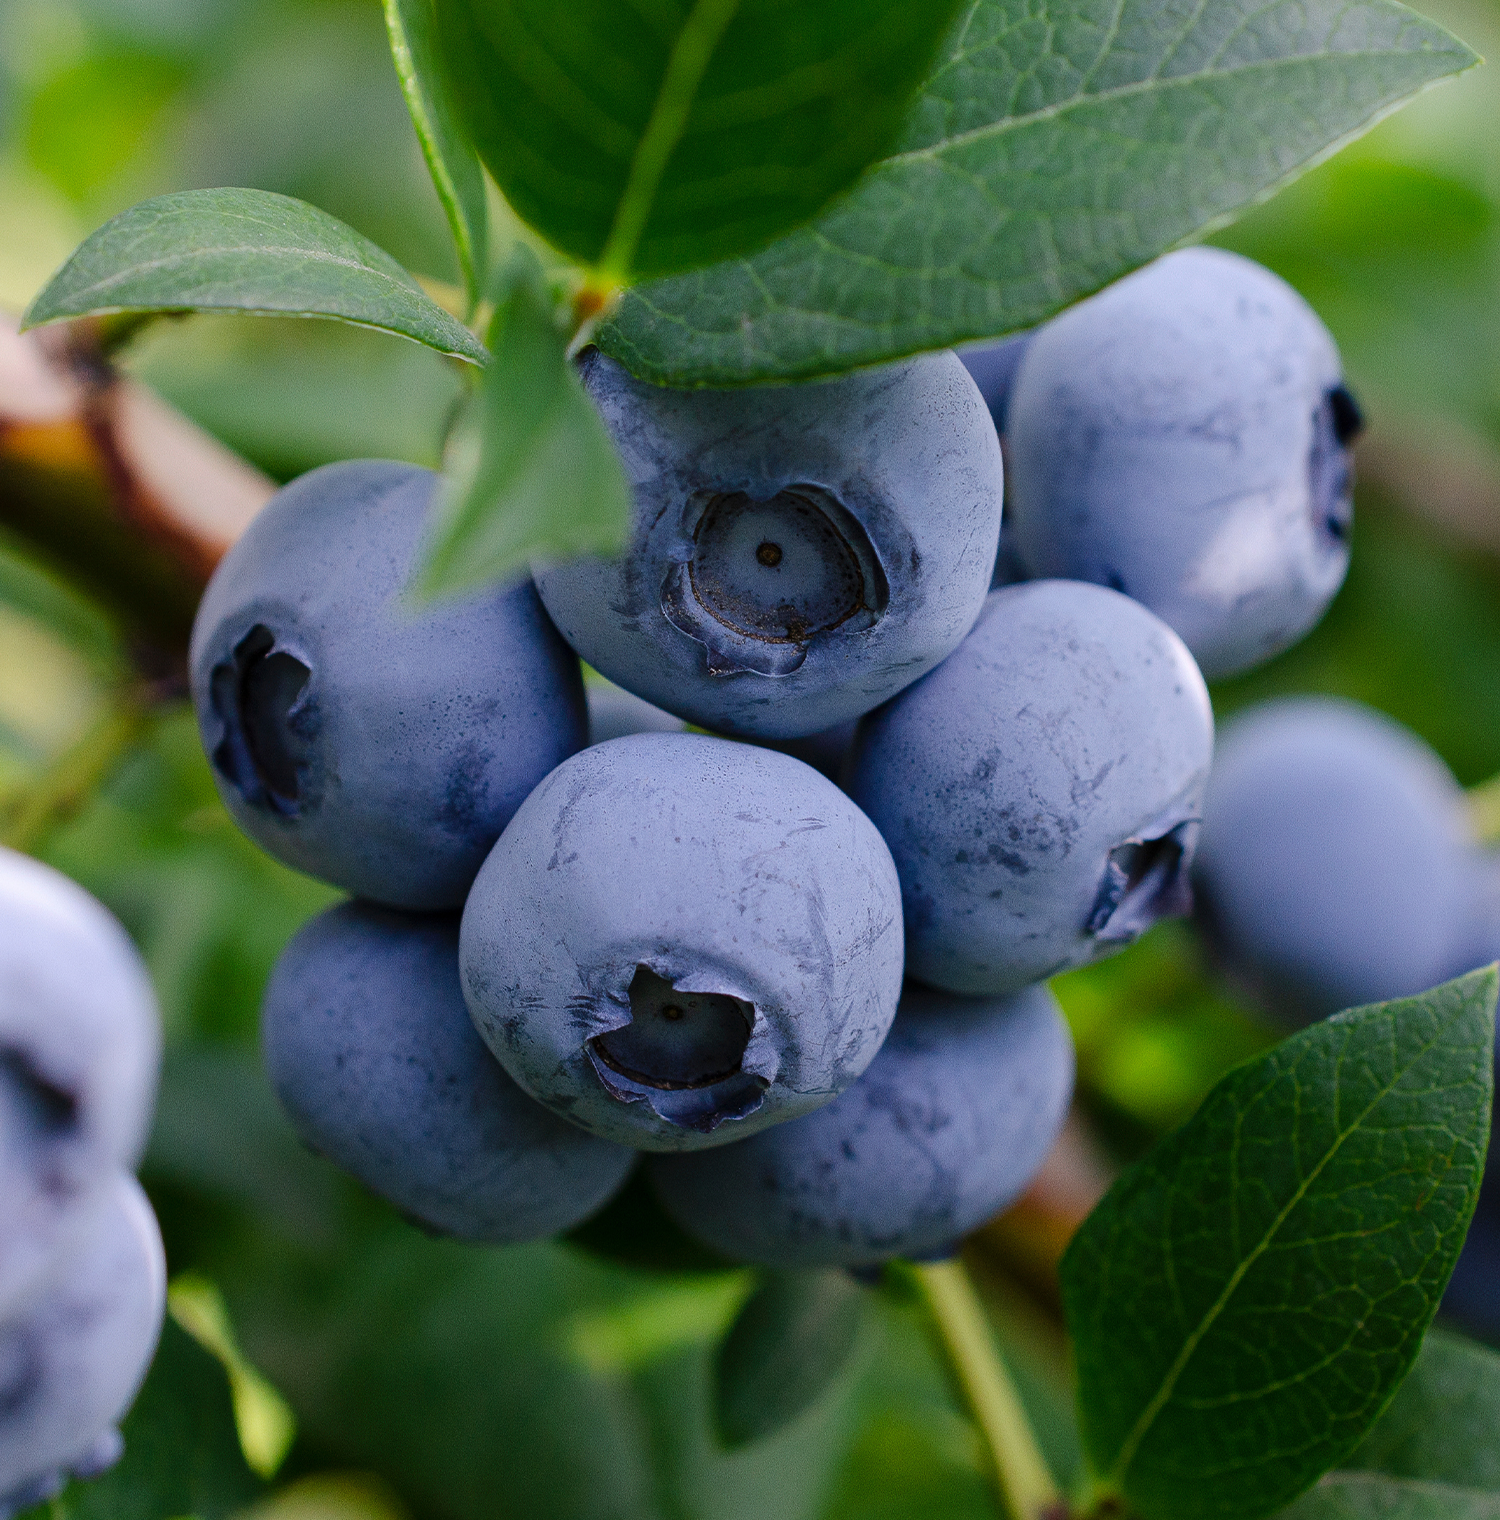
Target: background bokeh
[{"x": 428, "y": 1379}]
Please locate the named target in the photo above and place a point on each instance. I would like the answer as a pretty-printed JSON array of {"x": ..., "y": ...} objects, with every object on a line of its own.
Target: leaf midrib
[{"x": 1132, "y": 1443}]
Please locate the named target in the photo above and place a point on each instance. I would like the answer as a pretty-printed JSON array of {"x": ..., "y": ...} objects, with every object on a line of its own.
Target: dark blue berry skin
[
  {"x": 1041, "y": 789},
  {"x": 798, "y": 554},
  {"x": 946, "y": 1127},
  {"x": 80, "y": 1042},
  {"x": 372, "y": 1053},
  {"x": 680, "y": 940},
  {"x": 377, "y": 744},
  {"x": 1183, "y": 437},
  {"x": 74, "y": 1354},
  {"x": 1335, "y": 867}
]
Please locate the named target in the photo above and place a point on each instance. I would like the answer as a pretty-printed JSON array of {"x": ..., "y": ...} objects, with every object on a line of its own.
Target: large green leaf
[
  {"x": 1369, "y": 1496},
  {"x": 182, "y": 1451},
  {"x": 533, "y": 471},
  {"x": 455, "y": 168},
  {"x": 792, "y": 1340},
  {"x": 1246, "y": 1299},
  {"x": 246, "y": 251},
  {"x": 648, "y": 139},
  {"x": 1444, "y": 1421},
  {"x": 1059, "y": 144}
]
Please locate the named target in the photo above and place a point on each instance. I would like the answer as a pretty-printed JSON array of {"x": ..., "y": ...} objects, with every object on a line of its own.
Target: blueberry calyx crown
[
  {"x": 682, "y": 1053},
  {"x": 1145, "y": 880},
  {"x": 48, "y": 1108},
  {"x": 259, "y": 696},
  {"x": 1337, "y": 422},
  {"x": 762, "y": 579}
]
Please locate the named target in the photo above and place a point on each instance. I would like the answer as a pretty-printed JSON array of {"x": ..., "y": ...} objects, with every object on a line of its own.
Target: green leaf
[
  {"x": 455, "y": 167},
  {"x": 1247, "y": 1298},
  {"x": 790, "y": 1343},
  {"x": 649, "y": 139},
  {"x": 1368, "y": 1496},
  {"x": 532, "y": 471},
  {"x": 1443, "y": 1421},
  {"x": 246, "y": 251},
  {"x": 182, "y": 1451},
  {"x": 1058, "y": 145}
]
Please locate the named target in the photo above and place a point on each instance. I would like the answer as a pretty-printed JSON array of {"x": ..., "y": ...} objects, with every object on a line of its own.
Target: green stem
[
  {"x": 1027, "y": 1487},
  {"x": 27, "y": 820}
]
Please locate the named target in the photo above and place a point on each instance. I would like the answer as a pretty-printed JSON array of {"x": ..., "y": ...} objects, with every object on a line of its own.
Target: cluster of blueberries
[
  {"x": 801, "y": 965},
  {"x": 82, "y": 1273}
]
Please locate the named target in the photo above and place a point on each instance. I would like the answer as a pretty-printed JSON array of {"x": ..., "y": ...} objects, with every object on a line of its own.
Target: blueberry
[
  {"x": 373, "y": 1055},
  {"x": 80, "y": 1042},
  {"x": 946, "y": 1127},
  {"x": 1040, "y": 790},
  {"x": 378, "y": 745},
  {"x": 1183, "y": 437},
  {"x": 73, "y": 1355},
  {"x": 1335, "y": 868},
  {"x": 799, "y": 554},
  {"x": 680, "y": 940},
  {"x": 993, "y": 367},
  {"x": 614, "y": 712}
]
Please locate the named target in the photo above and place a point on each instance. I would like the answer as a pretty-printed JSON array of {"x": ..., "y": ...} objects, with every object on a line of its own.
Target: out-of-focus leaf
[
  {"x": 1055, "y": 147},
  {"x": 790, "y": 1343},
  {"x": 293, "y": 395},
  {"x": 533, "y": 472},
  {"x": 246, "y": 251},
  {"x": 1442, "y": 1424},
  {"x": 1371, "y": 1496},
  {"x": 455, "y": 168},
  {"x": 648, "y": 141},
  {"x": 182, "y": 1452},
  {"x": 1247, "y": 1298}
]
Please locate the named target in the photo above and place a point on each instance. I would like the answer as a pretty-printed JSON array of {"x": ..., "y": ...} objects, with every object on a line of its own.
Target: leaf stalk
[{"x": 1027, "y": 1488}]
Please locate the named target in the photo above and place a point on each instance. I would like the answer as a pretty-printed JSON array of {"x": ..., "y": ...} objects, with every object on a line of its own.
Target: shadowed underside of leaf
[
  {"x": 246, "y": 251},
  {"x": 1060, "y": 144},
  {"x": 1247, "y": 1298},
  {"x": 656, "y": 138}
]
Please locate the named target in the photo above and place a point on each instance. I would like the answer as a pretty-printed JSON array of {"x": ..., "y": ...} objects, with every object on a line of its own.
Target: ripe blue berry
[
  {"x": 1183, "y": 437},
  {"x": 379, "y": 745},
  {"x": 799, "y": 553},
  {"x": 73, "y": 1355},
  {"x": 680, "y": 940},
  {"x": 1040, "y": 790},
  {"x": 1335, "y": 867},
  {"x": 946, "y": 1127},
  {"x": 80, "y": 1041},
  {"x": 374, "y": 1057}
]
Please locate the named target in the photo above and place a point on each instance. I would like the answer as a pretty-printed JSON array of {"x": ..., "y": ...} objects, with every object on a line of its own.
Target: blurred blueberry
[
  {"x": 799, "y": 553},
  {"x": 680, "y": 940},
  {"x": 1335, "y": 867},
  {"x": 374, "y": 1057},
  {"x": 1183, "y": 437},
  {"x": 993, "y": 367},
  {"x": 1041, "y": 789},
  {"x": 379, "y": 745},
  {"x": 73, "y": 1355},
  {"x": 946, "y": 1127},
  {"x": 80, "y": 1043}
]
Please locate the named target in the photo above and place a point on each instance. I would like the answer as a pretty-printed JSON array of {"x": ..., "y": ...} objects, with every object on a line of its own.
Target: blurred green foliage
[{"x": 547, "y": 1380}]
